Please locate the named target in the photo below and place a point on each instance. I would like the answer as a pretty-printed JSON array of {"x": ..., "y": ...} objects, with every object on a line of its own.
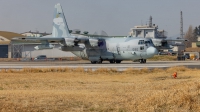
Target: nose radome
[{"x": 152, "y": 51}]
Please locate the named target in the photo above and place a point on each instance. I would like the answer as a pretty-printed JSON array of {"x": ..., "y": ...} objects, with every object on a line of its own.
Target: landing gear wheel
[
  {"x": 142, "y": 60},
  {"x": 112, "y": 61},
  {"x": 93, "y": 62},
  {"x": 100, "y": 61},
  {"x": 118, "y": 61}
]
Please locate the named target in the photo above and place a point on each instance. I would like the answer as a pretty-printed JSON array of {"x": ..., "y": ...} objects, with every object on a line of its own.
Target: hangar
[{"x": 9, "y": 49}]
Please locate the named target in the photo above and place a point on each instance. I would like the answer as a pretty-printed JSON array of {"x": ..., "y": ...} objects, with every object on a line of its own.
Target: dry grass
[
  {"x": 64, "y": 89},
  {"x": 163, "y": 58}
]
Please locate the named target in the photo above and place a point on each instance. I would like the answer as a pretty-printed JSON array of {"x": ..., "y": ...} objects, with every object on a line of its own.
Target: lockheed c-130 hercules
[{"x": 95, "y": 50}]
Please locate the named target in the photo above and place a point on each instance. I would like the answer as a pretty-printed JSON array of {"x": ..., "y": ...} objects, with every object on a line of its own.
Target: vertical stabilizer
[{"x": 60, "y": 27}]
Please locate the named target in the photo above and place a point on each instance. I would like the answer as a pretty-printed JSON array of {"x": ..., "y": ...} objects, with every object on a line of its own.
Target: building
[
  {"x": 147, "y": 31},
  {"x": 195, "y": 49},
  {"x": 5, "y": 43}
]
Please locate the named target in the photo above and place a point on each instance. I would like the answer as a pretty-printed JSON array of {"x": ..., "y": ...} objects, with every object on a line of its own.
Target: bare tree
[{"x": 189, "y": 35}]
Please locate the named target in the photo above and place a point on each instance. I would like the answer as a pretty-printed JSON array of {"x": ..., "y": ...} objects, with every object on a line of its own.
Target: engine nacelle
[
  {"x": 157, "y": 42},
  {"x": 44, "y": 46},
  {"x": 71, "y": 42},
  {"x": 95, "y": 42}
]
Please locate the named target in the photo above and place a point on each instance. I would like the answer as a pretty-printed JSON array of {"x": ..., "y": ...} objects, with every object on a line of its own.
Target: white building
[{"x": 147, "y": 31}]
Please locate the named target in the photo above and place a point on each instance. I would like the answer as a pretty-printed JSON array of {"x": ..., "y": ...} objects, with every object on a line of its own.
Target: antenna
[
  {"x": 181, "y": 27},
  {"x": 150, "y": 21},
  {"x": 181, "y": 49}
]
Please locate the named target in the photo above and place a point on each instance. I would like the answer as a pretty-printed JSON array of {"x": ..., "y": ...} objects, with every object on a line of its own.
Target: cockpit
[{"x": 147, "y": 42}]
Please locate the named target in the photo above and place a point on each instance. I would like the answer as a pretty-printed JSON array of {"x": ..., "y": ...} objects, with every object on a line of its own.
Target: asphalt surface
[{"x": 86, "y": 64}]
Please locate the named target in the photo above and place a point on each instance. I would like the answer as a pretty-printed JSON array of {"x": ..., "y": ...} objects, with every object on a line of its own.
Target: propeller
[
  {"x": 103, "y": 33},
  {"x": 76, "y": 31}
]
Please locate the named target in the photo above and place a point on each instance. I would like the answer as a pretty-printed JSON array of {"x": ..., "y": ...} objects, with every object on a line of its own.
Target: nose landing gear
[{"x": 142, "y": 60}]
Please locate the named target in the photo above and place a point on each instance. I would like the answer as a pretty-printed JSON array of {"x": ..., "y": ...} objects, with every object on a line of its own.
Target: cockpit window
[
  {"x": 151, "y": 41},
  {"x": 147, "y": 42},
  {"x": 141, "y": 42}
]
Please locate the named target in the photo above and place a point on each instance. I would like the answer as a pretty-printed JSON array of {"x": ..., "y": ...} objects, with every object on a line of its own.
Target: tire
[
  {"x": 141, "y": 60},
  {"x": 118, "y": 61},
  {"x": 144, "y": 60},
  {"x": 100, "y": 61},
  {"x": 93, "y": 62},
  {"x": 112, "y": 61}
]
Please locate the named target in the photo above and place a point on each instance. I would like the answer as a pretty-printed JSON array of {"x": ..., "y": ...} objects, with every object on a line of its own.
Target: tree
[
  {"x": 191, "y": 36},
  {"x": 195, "y": 34},
  {"x": 198, "y": 30}
]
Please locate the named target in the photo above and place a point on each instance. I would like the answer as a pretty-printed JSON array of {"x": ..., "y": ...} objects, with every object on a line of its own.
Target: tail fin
[{"x": 60, "y": 27}]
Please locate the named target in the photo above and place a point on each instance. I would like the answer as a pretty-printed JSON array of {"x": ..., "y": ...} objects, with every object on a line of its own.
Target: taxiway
[{"x": 86, "y": 64}]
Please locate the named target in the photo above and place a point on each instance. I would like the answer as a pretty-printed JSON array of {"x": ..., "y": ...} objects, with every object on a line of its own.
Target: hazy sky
[{"x": 115, "y": 17}]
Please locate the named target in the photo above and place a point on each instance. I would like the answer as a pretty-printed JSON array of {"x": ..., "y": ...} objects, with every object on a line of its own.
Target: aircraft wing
[
  {"x": 38, "y": 39},
  {"x": 180, "y": 40},
  {"x": 64, "y": 41}
]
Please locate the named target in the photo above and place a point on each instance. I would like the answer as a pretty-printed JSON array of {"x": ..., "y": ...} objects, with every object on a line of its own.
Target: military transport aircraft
[{"x": 95, "y": 50}]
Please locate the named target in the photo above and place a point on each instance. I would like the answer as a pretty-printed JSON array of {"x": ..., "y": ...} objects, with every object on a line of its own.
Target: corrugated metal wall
[
  {"x": 29, "y": 52},
  {"x": 3, "y": 51}
]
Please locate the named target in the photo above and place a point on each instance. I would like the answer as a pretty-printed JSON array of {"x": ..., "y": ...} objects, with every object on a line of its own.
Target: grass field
[
  {"x": 64, "y": 90},
  {"x": 163, "y": 58}
]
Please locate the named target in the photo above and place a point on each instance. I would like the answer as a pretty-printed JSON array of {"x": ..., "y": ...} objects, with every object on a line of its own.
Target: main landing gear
[
  {"x": 115, "y": 61},
  {"x": 111, "y": 61},
  {"x": 94, "y": 62},
  {"x": 142, "y": 60}
]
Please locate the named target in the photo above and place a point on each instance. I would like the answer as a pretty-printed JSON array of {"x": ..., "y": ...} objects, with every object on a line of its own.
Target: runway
[{"x": 86, "y": 64}]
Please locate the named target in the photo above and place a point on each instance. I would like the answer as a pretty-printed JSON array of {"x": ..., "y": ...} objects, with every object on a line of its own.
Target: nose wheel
[
  {"x": 142, "y": 60},
  {"x": 93, "y": 62}
]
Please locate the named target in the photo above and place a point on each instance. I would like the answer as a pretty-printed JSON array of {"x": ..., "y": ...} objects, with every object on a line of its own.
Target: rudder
[{"x": 60, "y": 27}]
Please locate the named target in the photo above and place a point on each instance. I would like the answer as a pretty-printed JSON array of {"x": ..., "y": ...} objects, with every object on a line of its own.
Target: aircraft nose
[{"x": 152, "y": 51}]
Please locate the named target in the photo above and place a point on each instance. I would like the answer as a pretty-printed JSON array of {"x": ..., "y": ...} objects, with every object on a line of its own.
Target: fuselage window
[
  {"x": 141, "y": 42},
  {"x": 142, "y": 48}
]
